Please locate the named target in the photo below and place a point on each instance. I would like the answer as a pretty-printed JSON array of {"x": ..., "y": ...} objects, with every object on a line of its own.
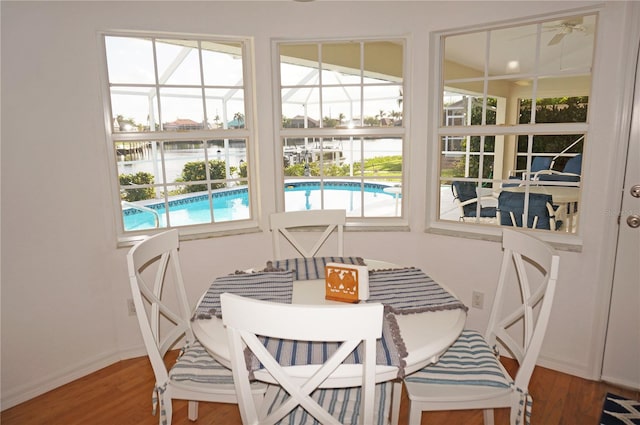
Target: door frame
[{"x": 609, "y": 247}]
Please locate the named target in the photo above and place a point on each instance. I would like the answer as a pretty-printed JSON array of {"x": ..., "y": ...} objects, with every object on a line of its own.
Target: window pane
[
  {"x": 384, "y": 60},
  {"x": 178, "y": 62},
  {"x": 130, "y": 60},
  {"x": 383, "y": 106},
  {"x": 184, "y": 162},
  {"x": 464, "y": 56},
  {"x": 225, "y": 108},
  {"x": 385, "y": 155},
  {"x": 567, "y": 45},
  {"x": 343, "y": 103},
  {"x": 299, "y": 64},
  {"x": 512, "y": 50},
  {"x": 181, "y": 109},
  {"x": 222, "y": 64},
  {"x": 134, "y": 109},
  {"x": 461, "y": 109},
  {"x": 141, "y": 160},
  {"x": 233, "y": 155},
  {"x": 301, "y": 108},
  {"x": 556, "y": 109},
  {"x": 466, "y": 161},
  {"x": 468, "y": 201},
  {"x": 341, "y": 63},
  {"x": 136, "y": 170}
]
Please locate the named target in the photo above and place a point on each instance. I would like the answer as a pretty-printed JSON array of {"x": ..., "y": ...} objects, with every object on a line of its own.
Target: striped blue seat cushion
[
  {"x": 343, "y": 404},
  {"x": 469, "y": 361},
  {"x": 196, "y": 365}
]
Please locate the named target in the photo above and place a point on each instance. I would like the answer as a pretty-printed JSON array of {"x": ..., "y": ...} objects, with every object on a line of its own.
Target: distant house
[
  {"x": 182, "y": 124},
  {"x": 386, "y": 122},
  {"x": 298, "y": 122}
]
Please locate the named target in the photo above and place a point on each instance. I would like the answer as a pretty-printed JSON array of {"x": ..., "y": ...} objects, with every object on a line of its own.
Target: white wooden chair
[
  {"x": 195, "y": 376},
  {"x": 469, "y": 374},
  {"x": 298, "y": 392},
  {"x": 329, "y": 220}
]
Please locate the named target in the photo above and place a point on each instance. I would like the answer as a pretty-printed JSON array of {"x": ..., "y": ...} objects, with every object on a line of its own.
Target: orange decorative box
[{"x": 346, "y": 282}]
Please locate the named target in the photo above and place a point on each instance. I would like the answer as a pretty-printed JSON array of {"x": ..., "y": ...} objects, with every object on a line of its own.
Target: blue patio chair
[
  {"x": 570, "y": 172},
  {"x": 541, "y": 212},
  {"x": 538, "y": 163},
  {"x": 466, "y": 197}
]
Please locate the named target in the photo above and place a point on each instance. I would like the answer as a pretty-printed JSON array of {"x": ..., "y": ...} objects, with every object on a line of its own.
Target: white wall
[{"x": 64, "y": 282}]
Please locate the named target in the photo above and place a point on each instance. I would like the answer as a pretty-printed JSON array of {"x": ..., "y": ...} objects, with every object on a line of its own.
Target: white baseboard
[
  {"x": 26, "y": 392},
  {"x": 634, "y": 386},
  {"x": 559, "y": 365},
  {"x": 132, "y": 352}
]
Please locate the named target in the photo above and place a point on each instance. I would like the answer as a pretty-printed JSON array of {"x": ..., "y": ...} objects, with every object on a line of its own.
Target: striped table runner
[
  {"x": 410, "y": 290},
  {"x": 311, "y": 268},
  {"x": 274, "y": 286}
]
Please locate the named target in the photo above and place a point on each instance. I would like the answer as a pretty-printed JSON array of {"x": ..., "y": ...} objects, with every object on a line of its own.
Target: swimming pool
[{"x": 233, "y": 204}]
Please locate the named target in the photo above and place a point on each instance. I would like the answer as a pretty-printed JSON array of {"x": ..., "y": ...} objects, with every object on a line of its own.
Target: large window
[
  {"x": 179, "y": 131},
  {"x": 341, "y": 132},
  {"x": 514, "y": 122}
]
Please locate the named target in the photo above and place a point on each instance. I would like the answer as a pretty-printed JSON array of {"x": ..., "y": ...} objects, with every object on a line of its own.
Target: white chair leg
[
  {"x": 415, "y": 414},
  {"x": 395, "y": 402},
  {"x": 193, "y": 410},
  {"x": 258, "y": 399},
  {"x": 488, "y": 416}
]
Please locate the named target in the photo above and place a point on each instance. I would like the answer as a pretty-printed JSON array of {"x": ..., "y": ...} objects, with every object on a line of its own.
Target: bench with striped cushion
[{"x": 469, "y": 361}]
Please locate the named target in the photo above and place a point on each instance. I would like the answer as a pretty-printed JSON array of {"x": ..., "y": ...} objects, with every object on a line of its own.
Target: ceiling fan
[{"x": 564, "y": 28}]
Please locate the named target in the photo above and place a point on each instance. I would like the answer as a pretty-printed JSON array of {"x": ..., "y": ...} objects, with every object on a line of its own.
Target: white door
[{"x": 622, "y": 350}]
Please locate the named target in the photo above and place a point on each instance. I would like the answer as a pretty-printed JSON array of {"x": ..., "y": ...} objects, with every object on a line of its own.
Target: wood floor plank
[{"x": 120, "y": 394}]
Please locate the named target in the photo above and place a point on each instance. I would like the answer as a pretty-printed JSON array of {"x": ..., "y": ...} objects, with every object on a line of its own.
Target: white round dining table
[{"x": 426, "y": 335}]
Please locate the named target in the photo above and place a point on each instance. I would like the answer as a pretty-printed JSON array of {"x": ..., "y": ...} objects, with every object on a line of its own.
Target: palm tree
[
  {"x": 381, "y": 116},
  {"x": 239, "y": 118},
  {"x": 395, "y": 115}
]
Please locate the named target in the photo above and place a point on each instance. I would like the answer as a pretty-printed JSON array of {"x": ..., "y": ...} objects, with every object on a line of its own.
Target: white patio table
[{"x": 566, "y": 196}]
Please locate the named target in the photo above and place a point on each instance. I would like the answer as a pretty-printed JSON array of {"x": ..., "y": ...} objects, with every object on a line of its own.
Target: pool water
[{"x": 234, "y": 204}]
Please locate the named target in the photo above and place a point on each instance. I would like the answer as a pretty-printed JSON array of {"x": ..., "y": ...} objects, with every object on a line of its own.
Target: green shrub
[
  {"x": 138, "y": 194},
  {"x": 195, "y": 171}
]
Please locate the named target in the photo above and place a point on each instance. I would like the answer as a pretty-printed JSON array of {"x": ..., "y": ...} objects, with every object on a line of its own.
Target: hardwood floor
[{"x": 121, "y": 395}]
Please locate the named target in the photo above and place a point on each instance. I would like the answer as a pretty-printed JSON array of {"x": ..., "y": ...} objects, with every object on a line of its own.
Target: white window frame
[
  {"x": 402, "y": 132},
  {"x": 563, "y": 240},
  {"x": 247, "y": 133}
]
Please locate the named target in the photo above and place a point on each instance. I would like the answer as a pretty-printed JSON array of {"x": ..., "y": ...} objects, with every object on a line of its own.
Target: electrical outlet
[
  {"x": 131, "y": 307},
  {"x": 477, "y": 300}
]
